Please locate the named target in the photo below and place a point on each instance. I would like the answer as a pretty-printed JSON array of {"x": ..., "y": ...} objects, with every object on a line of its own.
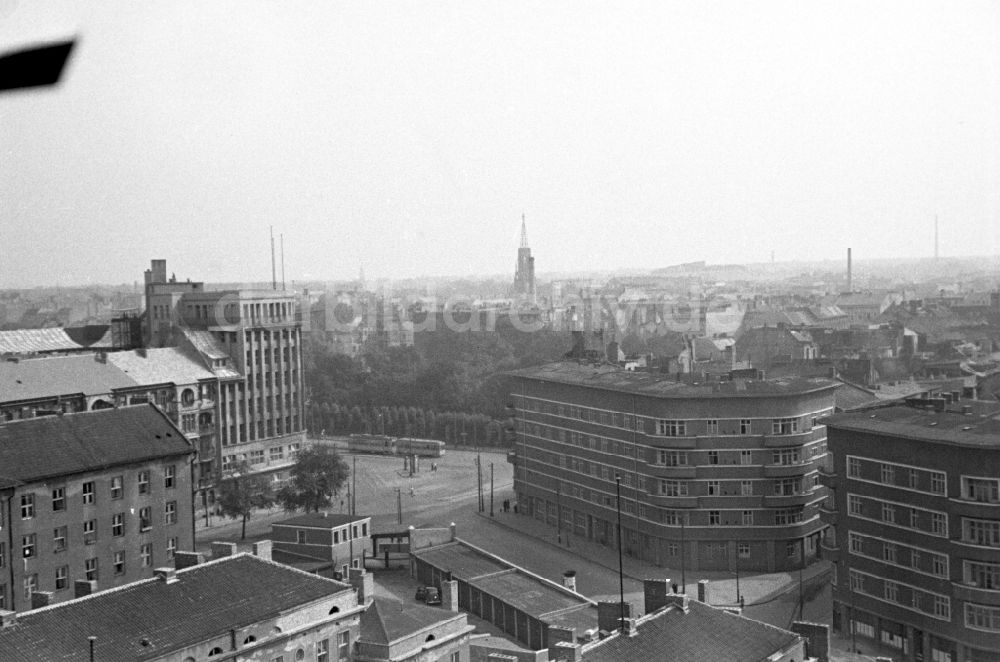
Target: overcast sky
[{"x": 411, "y": 136}]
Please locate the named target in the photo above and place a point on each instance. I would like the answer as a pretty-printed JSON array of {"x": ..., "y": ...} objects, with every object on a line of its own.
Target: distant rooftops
[
  {"x": 935, "y": 419},
  {"x": 613, "y": 378},
  {"x": 40, "y": 448},
  {"x": 151, "y": 618}
]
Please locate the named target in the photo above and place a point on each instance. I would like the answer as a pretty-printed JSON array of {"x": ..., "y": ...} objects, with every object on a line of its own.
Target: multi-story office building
[
  {"x": 713, "y": 475},
  {"x": 915, "y": 505},
  {"x": 101, "y": 496},
  {"x": 257, "y": 336}
]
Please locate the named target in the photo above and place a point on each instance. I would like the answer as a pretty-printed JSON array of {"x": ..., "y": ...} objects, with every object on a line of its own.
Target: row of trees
[
  {"x": 450, "y": 427},
  {"x": 317, "y": 477}
]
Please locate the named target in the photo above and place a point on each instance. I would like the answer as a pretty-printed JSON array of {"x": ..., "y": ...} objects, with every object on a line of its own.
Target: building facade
[
  {"x": 101, "y": 497},
  {"x": 340, "y": 539},
  {"x": 713, "y": 475},
  {"x": 915, "y": 508},
  {"x": 257, "y": 336}
]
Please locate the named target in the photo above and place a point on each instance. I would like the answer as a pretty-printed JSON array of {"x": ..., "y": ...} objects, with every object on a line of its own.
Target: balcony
[
  {"x": 828, "y": 512},
  {"x": 970, "y": 508},
  {"x": 787, "y": 500},
  {"x": 827, "y": 477},
  {"x": 671, "y": 443},
  {"x": 786, "y": 470},
  {"x": 788, "y": 440}
]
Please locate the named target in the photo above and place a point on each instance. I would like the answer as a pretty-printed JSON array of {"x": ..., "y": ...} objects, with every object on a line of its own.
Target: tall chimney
[{"x": 849, "y": 285}]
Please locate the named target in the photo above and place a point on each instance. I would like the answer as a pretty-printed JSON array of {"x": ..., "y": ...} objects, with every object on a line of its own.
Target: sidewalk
[{"x": 755, "y": 588}]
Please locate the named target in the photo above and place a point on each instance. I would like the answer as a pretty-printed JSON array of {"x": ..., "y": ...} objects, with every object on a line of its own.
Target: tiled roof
[
  {"x": 613, "y": 378},
  {"x": 386, "y": 620},
  {"x": 161, "y": 365},
  {"x": 47, "y": 377},
  {"x": 39, "y": 448},
  {"x": 205, "y": 343},
  {"x": 31, "y": 341},
  {"x": 321, "y": 520},
  {"x": 205, "y": 602},
  {"x": 703, "y": 634}
]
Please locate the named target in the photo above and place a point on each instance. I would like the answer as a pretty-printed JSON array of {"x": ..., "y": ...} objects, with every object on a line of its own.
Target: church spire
[{"x": 524, "y": 233}]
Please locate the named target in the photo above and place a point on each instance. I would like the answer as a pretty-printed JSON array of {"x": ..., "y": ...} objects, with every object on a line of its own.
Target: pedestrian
[{"x": 411, "y": 492}]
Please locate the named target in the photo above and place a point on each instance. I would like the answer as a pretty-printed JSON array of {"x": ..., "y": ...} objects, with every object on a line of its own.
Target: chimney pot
[
  {"x": 7, "y": 618},
  {"x": 166, "y": 575},
  {"x": 82, "y": 587},
  {"x": 40, "y": 599},
  {"x": 262, "y": 549}
]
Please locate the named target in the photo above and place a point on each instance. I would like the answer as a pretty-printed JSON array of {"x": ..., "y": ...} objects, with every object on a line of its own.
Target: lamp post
[
  {"x": 621, "y": 573},
  {"x": 491, "y": 489},
  {"x": 738, "y": 573}
]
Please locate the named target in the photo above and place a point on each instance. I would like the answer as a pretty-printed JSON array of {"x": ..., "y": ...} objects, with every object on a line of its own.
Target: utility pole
[
  {"x": 684, "y": 586},
  {"x": 399, "y": 505},
  {"x": 354, "y": 490},
  {"x": 737, "y": 572},
  {"x": 479, "y": 475},
  {"x": 491, "y": 489},
  {"x": 621, "y": 572}
]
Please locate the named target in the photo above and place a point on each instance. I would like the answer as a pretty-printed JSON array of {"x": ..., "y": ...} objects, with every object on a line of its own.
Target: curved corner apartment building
[{"x": 719, "y": 474}]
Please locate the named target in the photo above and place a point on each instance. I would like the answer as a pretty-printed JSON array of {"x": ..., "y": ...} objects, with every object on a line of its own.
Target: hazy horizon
[{"x": 411, "y": 137}]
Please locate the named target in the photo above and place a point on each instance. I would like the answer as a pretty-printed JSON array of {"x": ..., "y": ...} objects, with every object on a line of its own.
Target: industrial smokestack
[{"x": 849, "y": 285}]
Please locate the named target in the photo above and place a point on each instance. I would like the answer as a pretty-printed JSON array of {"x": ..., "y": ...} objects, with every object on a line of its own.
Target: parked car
[
  {"x": 433, "y": 596},
  {"x": 421, "y": 593}
]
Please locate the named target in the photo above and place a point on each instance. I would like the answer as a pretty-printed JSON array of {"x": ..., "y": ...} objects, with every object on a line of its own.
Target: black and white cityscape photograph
[{"x": 500, "y": 331}]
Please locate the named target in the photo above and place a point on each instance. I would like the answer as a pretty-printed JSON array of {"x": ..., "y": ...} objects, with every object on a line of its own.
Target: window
[
  {"x": 937, "y": 482},
  {"x": 787, "y": 486},
  {"x": 90, "y": 568},
  {"x": 914, "y": 479},
  {"x": 889, "y": 552},
  {"x": 455, "y": 657},
  {"x": 939, "y": 524},
  {"x": 939, "y": 565},
  {"x": 856, "y": 543},
  {"x": 712, "y": 427},
  {"x": 889, "y": 513},
  {"x": 746, "y": 457},
  {"x": 88, "y": 492},
  {"x": 785, "y": 456},
  {"x": 671, "y": 428},
  {"x": 276, "y": 453},
  {"x": 745, "y": 426},
  {"x": 257, "y": 457},
  {"x": 792, "y": 549},
  {"x": 981, "y": 574},
  {"x": 746, "y": 488},
  {"x": 673, "y": 458},
  {"x": 713, "y": 457},
  {"x": 27, "y": 506},
  {"x": 784, "y": 516},
  {"x": 28, "y": 545},
  {"x": 857, "y": 581},
  {"x": 981, "y": 532},
  {"x": 713, "y": 488},
  {"x": 116, "y": 487},
  {"x": 118, "y": 561},
  {"x": 887, "y": 474},
  {"x": 170, "y": 513},
  {"x": 30, "y": 585},
  {"x": 300, "y": 536},
  {"x": 145, "y": 520},
  {"x": 62, "y": 577},
  {"x": 982, "y": 617},
  {"x": 713, "y": 518},
  {"x": 171, "y": 547},
  {"x": 854, "y": 467},
  {"x": 891, "y": 591},
  {"x": 673, "y": 488},
  {"x": 169, "y": 476},
  {"x": 343, "y": 645},
  {"x": 146, "y": 555},
  {"x": 855, "y": 505},
  {"x": 747, "y": 518},
  {"x": 59, "y": 539},
  {"x": 90, "y": 532},
  {"x": 784, "y": 426},
  {"x": 118, "y": 524},
  {"x": 323, "y": 650},
  {"x": 58, "y": 499},
  {"x": 986, "y": 490},
  {"x": 743, "y": 550},
  {"x": 671, "y": 518},
  {"x": 143, "y": 482},
  {"x": 942, "y": 607}
]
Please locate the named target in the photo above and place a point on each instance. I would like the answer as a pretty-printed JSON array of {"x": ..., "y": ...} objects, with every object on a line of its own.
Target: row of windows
[
  {"x": 984, "y": 532},
  {"x": 255, "y": 457},
  {"x": 88, "y": 491},
  {"x": 261, "y": 430},
  {"x": 897, "y": 475},
  {"x": 29, "y": 542},
  {"x": 898, "y": 554},
  {"x": 899, "y": 515},
  {"x": 668, "y": 427},
  {"x": 743, "y": 488},
  {"x": 901, "y": 594}
]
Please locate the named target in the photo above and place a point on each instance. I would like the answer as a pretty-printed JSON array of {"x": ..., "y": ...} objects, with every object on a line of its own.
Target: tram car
[{"x": 384, "y": 445}]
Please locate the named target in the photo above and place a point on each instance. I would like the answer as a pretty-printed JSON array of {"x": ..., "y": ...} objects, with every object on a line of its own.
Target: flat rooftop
[
  {"x": 614, "y": 378},
  {"x": 979, "y": 426}
]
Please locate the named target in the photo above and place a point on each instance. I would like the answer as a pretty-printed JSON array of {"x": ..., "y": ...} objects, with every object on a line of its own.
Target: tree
[
  {"x": 319, "y": 473},
  {"x": 243, "y": 493}
]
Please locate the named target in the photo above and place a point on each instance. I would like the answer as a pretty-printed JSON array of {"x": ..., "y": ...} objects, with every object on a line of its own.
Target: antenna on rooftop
[
  {"x": 282, "y": 235},
  {"x": 274, "y": 275}
]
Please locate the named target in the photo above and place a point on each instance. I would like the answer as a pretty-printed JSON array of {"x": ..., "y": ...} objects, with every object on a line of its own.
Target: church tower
[{"x": 524, "y": 276}]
